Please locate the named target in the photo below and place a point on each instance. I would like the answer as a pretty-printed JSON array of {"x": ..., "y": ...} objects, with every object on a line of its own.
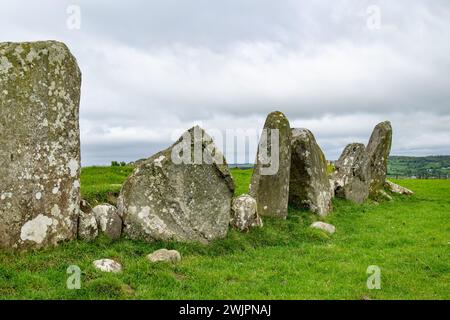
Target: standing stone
[
  {"x": 87, "y": 224},
  {"x": 39, "y": 144},
  {"x": 244, "y": 213},
  {"x": 183, "y": 193},
  {"x": 108, "y": 220},
  {"x": 351, "y": 176},
  {"x": 270, "y": 180},
  {"x": 309, "y": 184},
  {"x": 378, "y": 151}
]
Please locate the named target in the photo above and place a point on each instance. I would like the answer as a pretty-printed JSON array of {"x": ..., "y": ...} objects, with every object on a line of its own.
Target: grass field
[{"x": 409, "y": 239}]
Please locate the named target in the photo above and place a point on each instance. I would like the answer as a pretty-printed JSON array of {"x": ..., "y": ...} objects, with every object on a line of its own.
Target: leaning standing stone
[
  {"x": 244, "y": 213},
  {"x": 270, "y": 180},
  {"x": 183, "y": 193},
  {"x": 39, "y": 144},
  {"x": 351, "y": 177},
  {"x": 378, "y": 151},
  {"x": 309, "y": 184}
]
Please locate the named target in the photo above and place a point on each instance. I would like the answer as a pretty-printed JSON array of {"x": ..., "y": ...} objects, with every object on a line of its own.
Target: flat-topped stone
[{"x": 39, "y": 144}]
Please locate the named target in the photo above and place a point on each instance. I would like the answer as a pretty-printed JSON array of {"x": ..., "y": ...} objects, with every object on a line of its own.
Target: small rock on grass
[
  {"x": 164, "y": 255},
  {"x": 107, "y": 265},
  {"x": 329, "y": 228}
]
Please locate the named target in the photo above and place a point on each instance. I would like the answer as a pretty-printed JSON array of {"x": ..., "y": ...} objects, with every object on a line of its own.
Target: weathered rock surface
[
  {"x": 87, "y": 224},
  {"x": 164, "y": 255},
  {"x": 270, "y": 180},
  {"x": 328, "y": 228},
  {"x": 183, "y": 193},
  {"x": 244, "y": 213},
  {"x": 378, "y": 151},
  {"x": 39, "y": 144},
  {"x": 107, "y": 265},
  {"x": 309, "y": 183},
  {"x": 382, "y": 195},
  {"x": 108, "y": 221},
  {"x": 395, "y": 188},
  {"x": 351, "y": 176}
]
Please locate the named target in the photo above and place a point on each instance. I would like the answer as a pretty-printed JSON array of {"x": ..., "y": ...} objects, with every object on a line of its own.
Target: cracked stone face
[
  {"x": 351, "y": 178},
  {"x": 163, "y": 200},
  {"x": 271, "y": 188},
  {"x": 39, "y": 144},
  {"x": 378, "y": 150},
  {"x": 309, "y": 184}
]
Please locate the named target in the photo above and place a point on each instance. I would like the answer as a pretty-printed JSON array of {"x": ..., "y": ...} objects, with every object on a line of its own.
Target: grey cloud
[{"x": 152, "y": 67}]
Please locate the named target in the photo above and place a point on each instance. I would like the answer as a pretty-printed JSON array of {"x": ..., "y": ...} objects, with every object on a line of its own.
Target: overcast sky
[{"x": 153, "y": 68}]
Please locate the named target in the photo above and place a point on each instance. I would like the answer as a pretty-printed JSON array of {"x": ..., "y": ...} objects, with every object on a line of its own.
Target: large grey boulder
[
  {"x": 270, "y": 180},
  {"x": 309, "y": 183},
  {"x": 108, "y": 220},
  {"x": 183, "y": 193},
  {"x": 39, "y": 144},
  {"x": 378, "y": 151},
  {"x": 351, "y": 176},
  {"x": 87, "y": 223},
  {"x": 244, "y": 213}
]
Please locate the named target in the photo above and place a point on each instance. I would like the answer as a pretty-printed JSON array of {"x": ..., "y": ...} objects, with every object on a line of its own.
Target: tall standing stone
[
  {"x": 39, "y": 144},
  {"x": 378, "y": 151},
  {"x": 270, "y": 180},
  {"x": 351, "y": 176},
  {"x": 183, "y": 193},
  {"x": 309, "y": 184}
]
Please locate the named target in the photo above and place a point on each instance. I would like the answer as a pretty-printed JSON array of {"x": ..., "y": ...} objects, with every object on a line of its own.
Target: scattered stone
[
  {"x": 39, "y": 144},
  {"x": 309, "y": 183},
  {"x": 183, "y": 193},
  {"x": 270, "y": 180},
  {"x": 395, "y": 188},
  {"x": 329, "y": 228},
  {"x": 378, "y": 151},
  {"x": 108, "y": 220},
  {"x": 164, "y": 255},
  {"x": 244, "y": 213},
  {"x": 351, "y": 176},
  {"x": 383, "y": 195},
  {"x": 108, "y": 265},
  {"x": 87, "y": 224}
]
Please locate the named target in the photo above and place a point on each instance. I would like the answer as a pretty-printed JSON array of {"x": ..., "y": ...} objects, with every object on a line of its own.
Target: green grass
[
  {"x": 409, "y": 239},
  {"x": 102, "y": 184}
]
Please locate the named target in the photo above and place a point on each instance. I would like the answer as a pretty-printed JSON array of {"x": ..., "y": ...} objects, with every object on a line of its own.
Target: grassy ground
[{"x": 409, "y": 239}]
